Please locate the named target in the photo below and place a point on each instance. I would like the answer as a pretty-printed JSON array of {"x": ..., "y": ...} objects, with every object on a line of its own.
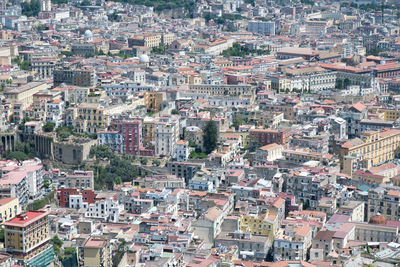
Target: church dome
[
  {"x": 88, "y": 35},
  {"x": 144, "y": 58}
]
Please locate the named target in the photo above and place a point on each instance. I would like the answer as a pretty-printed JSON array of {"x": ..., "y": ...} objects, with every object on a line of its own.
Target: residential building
[
  {"x": 97, "y": 252},
  {"x": 9, "y": 208},
  {"x": 166, "y": 136},
  {"x": 77, "y": 77},
  {"x": 384, "y": 202},
  {"x": 77, "y": 179},
  {"x": 374, "y": 148},
  {"x": 148, "y": 40},
  {"x": 263, "y": 137},
  {"x": 292, "y": 242},
  {"x": 182, "y": 151},
  {"x": 267, "y": 154},
  {"x": 130, "y": 133},
  {"x": 251, "y": 247},
  {"x": 262, "y": 27},
  {"x": 27, "y": 238}
]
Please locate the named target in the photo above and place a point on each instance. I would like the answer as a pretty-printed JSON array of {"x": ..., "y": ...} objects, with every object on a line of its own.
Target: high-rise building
[
  {"x": 130, "y": 132},
  {"x": 27, "y": 238}
]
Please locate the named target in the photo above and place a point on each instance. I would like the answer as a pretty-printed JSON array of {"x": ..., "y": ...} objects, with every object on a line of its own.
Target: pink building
[{"x": 131, "y": 133}]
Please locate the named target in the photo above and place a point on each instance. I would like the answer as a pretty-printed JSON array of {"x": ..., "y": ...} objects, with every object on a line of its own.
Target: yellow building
[
  {"x": 265, "y": 224},
  {"x": 374, "y": 148},
  {"x": 91, "y": 118},
  {"x": 9, "y": 208},
  {"x": 27, "y": 238},
  {"x": 96, "y": 252},
  {"x": 193, "y": 79},
  {"x": 154, "y": 101},
  {"x": 147, "y": 39},
  {"x": 390, "y": 114},
  {"x": 23, "y": 95},
  {"x": 148, "y": 129},
  {"x": 168, "y": 38}
]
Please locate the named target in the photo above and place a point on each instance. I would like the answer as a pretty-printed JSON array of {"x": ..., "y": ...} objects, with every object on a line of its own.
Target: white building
[
  {"x": 45, "y": 5},
  {"x": 55, "y": 109},
  {"x": 106, "y": 209},
  {"x": 166, "y": 136},
  {"x": 182, "y": 150}
]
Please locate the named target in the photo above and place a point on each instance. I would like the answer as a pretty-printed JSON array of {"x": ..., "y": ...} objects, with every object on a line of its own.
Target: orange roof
[
  {"x": 358, "y": 106},
  {"x": 393, "y": 193}
]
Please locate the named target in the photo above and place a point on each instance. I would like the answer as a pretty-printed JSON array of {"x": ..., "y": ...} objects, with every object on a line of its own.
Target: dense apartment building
[
  {"x": 97, "y": 252},
  {"x": 254, "y": 247},
  {"x": 44, "y": 67},
  {"x": 27, "y": 238},
  {"x": 166, "y": 136},
  {"x": 262, "y": 27},
  {"x": 222, "y": 89},
  {"x": 112, "y": 139},
  {"x": 374, "y": 148},
  {"x": 67, "y": 196},
  {"x": 91, "y": 118},
  {"x": 293, "y": 242},
  {"x": 263, "y": 137},
  {"x": 309, "y": 188},
  {"x": 287, "y": 106},
  {"x": 23, "y": 95},
  {"x": 83, "y": 49},
  {"x": 76, "y": 179},
  {"x": 78, "y": 77},
  {"x": 147, "y": 39},
  {"x": 130, "y": 133},
  {"x": 385, "y": 202}
]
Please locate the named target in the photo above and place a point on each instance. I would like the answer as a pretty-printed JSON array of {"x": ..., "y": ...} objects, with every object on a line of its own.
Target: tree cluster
[
  {"x": 160, "y": 5},
  {"x": 210, "y": 136},
  {"x": 117, "y": 171},
  {"x": 238, "y": 50},
  {"x": 22, "y": 152},
  {"x": 41, "y": 203},
  {"x": 223, "y": 19},
  {"x": 31, "y": 9}
]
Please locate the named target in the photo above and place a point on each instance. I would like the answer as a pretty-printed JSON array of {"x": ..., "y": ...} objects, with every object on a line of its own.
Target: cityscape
[{"x": 199, "y": 133}]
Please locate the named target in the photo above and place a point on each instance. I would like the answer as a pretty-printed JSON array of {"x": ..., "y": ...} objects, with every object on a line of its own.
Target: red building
[
  {"x": 262, "y": 137},
  {"x": 131, "y": 133},
  {"x": 63, "y": 194},
  {"x": 389, "y": 70}
]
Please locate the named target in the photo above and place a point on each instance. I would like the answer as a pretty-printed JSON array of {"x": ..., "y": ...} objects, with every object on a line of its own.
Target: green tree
[
  {"x": 174, "y": 111},
  {"x": 118, "y": 180},
  {"x": 69, "y": 252},
  {"x": 237, "y": 121},
  {"x": 156, "y": 162},
  {"x": 210, "y": 136},
  {"x": 85, "y": 3},
  {"x": 160, "y": 50},
  {"x": 30, "y": 9},
  {"x": 143, "y": 161},
  {"x": 46, "y": 184},
  {"x": 49, "y": 127},
  {"x": 57, "y": 245}
]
